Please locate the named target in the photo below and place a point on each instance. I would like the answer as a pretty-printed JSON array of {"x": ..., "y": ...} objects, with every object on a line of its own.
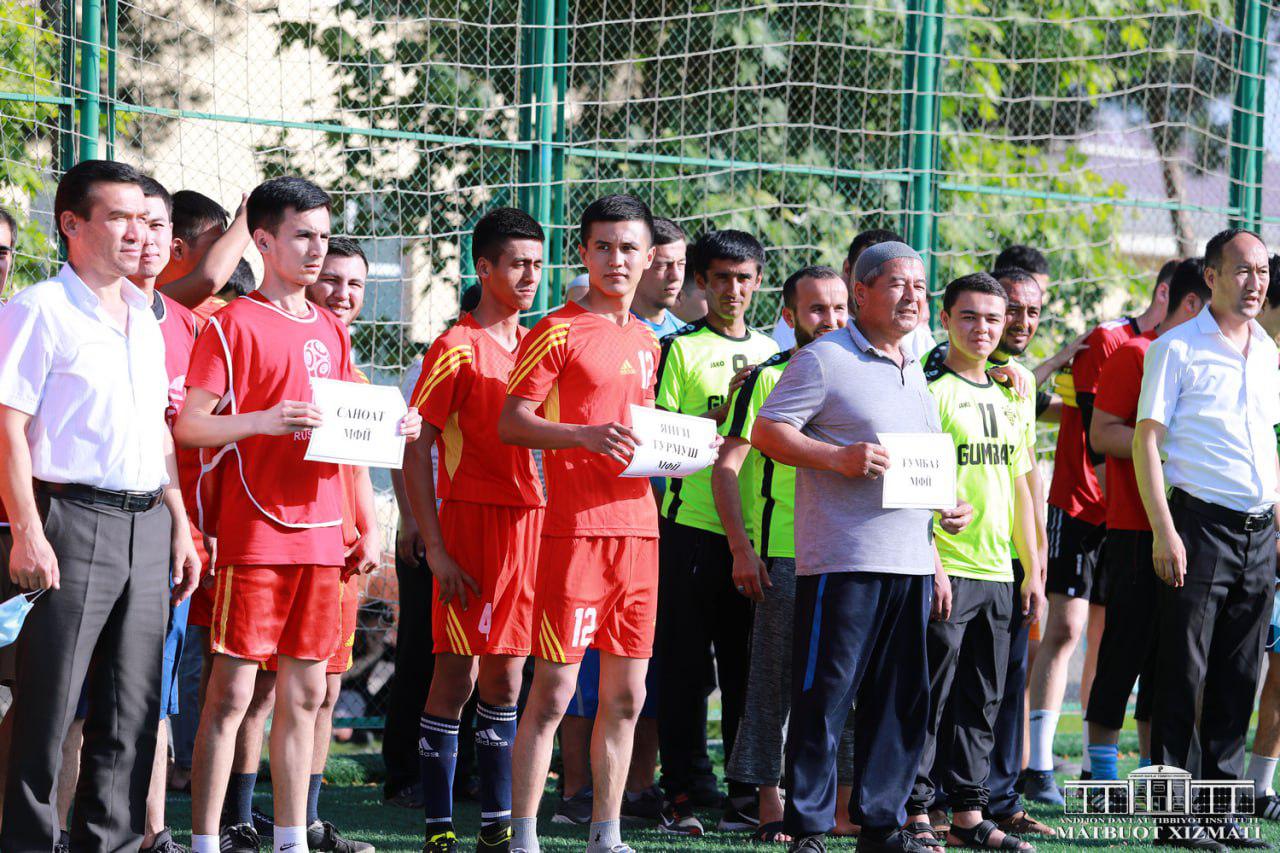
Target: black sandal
[
  {"x": 977, "y": 836},
  {"x": 767, "y": 833},
  {"x": 923, "y": 832}
]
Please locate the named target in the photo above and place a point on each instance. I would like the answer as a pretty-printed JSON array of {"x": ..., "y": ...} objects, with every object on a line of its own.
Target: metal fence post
[
  {"x": 1247, "y": 115},
  {"x": 66, "y": 74},
  {"x": 109, "y": 102},
  {"x": 538, "y": 123},
  {"x": 924, "y": 40},
  {"x": 90, "y": 83}
]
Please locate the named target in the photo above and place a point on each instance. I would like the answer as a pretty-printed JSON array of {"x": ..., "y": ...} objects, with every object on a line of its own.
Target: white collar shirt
[
  {"x": 96, "y": 393},
  {"x": 1219, "y": 407}
]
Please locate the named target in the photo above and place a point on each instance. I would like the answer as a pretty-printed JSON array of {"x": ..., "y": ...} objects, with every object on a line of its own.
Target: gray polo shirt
[{"x": 841, "y": 390}]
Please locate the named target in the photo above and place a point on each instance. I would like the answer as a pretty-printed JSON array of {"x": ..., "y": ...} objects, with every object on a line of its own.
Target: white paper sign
[
  {"x": 673, "y": 445},
  {"x": 361, "y": 424},
  {"x": 922, "y": 471}
]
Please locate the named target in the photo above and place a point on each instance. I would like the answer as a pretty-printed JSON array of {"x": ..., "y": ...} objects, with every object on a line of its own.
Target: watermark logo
[{"x": 1161, "y": 802}]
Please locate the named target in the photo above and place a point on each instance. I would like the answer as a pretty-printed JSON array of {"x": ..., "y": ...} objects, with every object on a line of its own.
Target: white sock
[
  {"x": 1043, "y": 725},
  {"x": 290, "y": 839},
  {"x": 204, "y": 844},
  {"x": 1086, "y": 763},
  {"x": 1262, "y": 770},
  {"x": 524, "y": 834}
]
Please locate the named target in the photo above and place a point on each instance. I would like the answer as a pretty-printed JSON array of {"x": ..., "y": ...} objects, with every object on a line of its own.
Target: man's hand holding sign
[{"x": 360, "y": 424}]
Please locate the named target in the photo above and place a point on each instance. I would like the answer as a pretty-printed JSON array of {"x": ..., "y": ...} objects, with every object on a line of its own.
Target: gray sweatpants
[{"x": 757, "y": 753}]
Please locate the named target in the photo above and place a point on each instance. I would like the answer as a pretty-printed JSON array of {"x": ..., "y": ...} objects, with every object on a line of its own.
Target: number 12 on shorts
[{"x": 584, "y": 626}]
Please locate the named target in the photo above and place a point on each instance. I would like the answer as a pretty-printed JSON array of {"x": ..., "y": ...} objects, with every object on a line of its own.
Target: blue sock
[
  {"x": 313, "y": 798},
  {"x": 238, "y": 806},
  {"x": 437, "y": 759},
  {"x": 1103, "y": 756},
  {"x": 495, "y": 732},
  {"x": 1144, "y": 761}
]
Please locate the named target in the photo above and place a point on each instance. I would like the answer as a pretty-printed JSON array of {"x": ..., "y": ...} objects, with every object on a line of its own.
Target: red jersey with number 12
[
  {"x": 586, "y": 369},
  {"x": 271, "y": 505}
]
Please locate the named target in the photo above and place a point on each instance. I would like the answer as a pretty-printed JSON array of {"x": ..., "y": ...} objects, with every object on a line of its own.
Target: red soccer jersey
[
  {"x": 586, "y": 369},
  {"x": 1118, "y": 387},
  {"x": 1075, "y": 488},
  {"x": 178, "y": 328},
  {"x": 350, "y": 531},
  {"x": 460, "y": 392},
  {"x": 271, "y": 505}
]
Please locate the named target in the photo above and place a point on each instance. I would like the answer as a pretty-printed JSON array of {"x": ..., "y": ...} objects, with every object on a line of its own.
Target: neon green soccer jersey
[
  {"x": 988, "y": 425},
  {"x": 694, "y": 370},
  {"x": 770, "y": 515}
]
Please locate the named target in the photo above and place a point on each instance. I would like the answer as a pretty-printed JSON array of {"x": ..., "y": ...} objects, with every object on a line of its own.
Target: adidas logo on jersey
[
  {"x": 488, "y": 737},
  {"x": 425, "y": 750},
  {"x": 626, "y": 369}
]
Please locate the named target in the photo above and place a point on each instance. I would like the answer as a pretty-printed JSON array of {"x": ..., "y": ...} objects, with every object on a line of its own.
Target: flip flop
[{"x": 770, "y": 833}]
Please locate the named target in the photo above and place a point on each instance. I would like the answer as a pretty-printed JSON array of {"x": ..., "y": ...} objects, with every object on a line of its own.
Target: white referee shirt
[
  {"x": 96, "y": 395},
  {"x": 1220, "y": 409}
]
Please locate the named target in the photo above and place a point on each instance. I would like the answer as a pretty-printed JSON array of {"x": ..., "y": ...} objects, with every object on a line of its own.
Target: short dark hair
[
  {"x": 345, "y": 247},
  {"x": 726, "y": 245},
  {"x": 978, "y": 282},
  {"x": 7, "y": 218},
  {"x": 1024, "y": 257},
  {"x": 270, "y": 199},
  {"x": 151, "y": 188},
  {"x": 1013, "y": 275},
  {"x": 866, "y": 239},
  {"x": 1166, "y": 271},
  {"x": 1273, "y": 282},
  {"x": 242, "y": 282},
  {"x": 470, "y": 298},
  {"x": 1213, "y": 249},
  {"x": 666, "y": 232},
  {"x": 194, "y": 213},
  {"x": 78, "y": 182},
  {"x": 499, "y": 225},
  {"x": 1188, "y": 278},
  {"x": 818, "y": 271},
  {"x": 614, "y": 208}
]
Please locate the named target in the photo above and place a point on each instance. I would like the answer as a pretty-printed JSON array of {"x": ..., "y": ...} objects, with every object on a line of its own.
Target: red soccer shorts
[
  {"x": 598, "y": 591},
  {"x": 261, "y": 610},
  {"x": 349, "y": 610},
  {"x": 498, "y": 546}
]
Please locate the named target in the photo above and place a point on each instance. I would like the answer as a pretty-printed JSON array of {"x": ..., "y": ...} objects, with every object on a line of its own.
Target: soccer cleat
[
  {"x": 808, "y": 844},
  {"x": 494, "y": 839},
  {"x": 1040, "y": 787},
  {"x": 263, "y": 823},
  {"x": 643, "y": 805},
  {"x": 1267, "y": 807},
  {"x": 678, "y": 818},
  {"x": 576, "y": 810},
  {"x": 441, "y": 842},
  {"x": 164, "y": 843},
  {"x": 324, "y": 836},
  {"x": 740, "y": 814},
  {"x": 63, "y": 844},
  {"x": 239, "y": 838}
]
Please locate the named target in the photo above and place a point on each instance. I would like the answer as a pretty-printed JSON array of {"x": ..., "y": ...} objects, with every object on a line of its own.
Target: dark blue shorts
[{"x": 586, "y": 698}]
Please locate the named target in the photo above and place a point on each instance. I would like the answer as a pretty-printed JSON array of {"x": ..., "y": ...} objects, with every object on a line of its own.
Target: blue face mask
[{"x": 13, "y": 613}]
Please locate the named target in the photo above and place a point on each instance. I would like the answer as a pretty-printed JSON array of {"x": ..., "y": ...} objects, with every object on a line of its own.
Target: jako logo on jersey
[
  {"x": 719, "y": 363},
  {"x": 315, "y": 357},
  {"x": 488, "y": 737},
  {"x": 626, "y": 369}
]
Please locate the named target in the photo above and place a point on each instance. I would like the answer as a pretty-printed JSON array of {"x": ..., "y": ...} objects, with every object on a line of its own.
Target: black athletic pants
[
  {"x": 414, "y": 666},
  {"x": 1128, "y": 647},
  {"x": 1212, "y": 631}
]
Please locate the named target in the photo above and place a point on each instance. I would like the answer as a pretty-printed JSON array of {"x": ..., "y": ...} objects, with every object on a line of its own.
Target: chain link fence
[{"x": 1112, "y": 135}]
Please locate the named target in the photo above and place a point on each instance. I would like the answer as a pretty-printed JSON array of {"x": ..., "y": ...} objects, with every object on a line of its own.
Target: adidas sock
[
  {"x": 1144, "y": 761},
  {"x": 240, "y": 797},
  {"x": 313, "y": 798},
  {"x": 1103, "y": 757},
  {"x": 1262, "y": 770},
  {"x": 605, "y": 835},
  {"x": 1043, "y": 724},
  {"x": 495, "y": 732},
  {"x": 437, "y": 759},
  {"x": 1086, "y": 760},
  {"x": 204, "y": 844},
  {"x": 290, "y": 839},
  {"x": 524, "y": 835}
]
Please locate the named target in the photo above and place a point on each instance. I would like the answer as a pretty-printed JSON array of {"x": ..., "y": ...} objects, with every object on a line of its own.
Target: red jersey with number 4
[
  {"x": 1119, "y": 385},
  {"x": 586, "y": 369},
  {"x": 272, "y": 506},
  {"x": 1075, "y": 488},
  {"x": 460, "y": 392}
]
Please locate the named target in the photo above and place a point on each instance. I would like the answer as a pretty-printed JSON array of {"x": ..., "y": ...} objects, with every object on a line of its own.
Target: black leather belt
[
  {"x": 127, "y": 501},
  {"x": 1248, "y": 522}
]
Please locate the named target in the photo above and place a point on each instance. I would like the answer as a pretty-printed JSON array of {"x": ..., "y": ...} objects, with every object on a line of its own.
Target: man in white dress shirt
[
  {"x": 92, "y": 498},
  {"x": 1210, "y": 400}
]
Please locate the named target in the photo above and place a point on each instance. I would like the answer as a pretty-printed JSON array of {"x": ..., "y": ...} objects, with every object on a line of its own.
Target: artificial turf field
[{"x": 358, "y": 810}]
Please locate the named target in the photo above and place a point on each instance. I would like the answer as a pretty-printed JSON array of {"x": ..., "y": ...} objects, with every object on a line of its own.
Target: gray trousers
[
  {"x": 757, "y": 753},
  {"x": 106, "y": 622}
]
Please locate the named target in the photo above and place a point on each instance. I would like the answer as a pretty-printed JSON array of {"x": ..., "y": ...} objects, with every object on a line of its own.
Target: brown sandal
[{"x": 1021, "y": 823}]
